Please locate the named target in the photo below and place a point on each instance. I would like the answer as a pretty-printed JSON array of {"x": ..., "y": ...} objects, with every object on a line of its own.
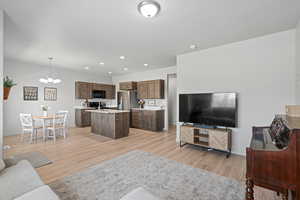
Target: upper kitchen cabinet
[
  {"x": 159, "y": 89},
  {"x": 83, "y": 90},
  {"x": 153, "y": 89},
  {"x": 131, "y": 85},
  {"x": 110, "y": 91},
  {"x": 142, "y": 90}
]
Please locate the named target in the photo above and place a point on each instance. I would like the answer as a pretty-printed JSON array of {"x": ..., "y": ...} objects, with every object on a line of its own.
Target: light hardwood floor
[{"x": 81, "y": 150}]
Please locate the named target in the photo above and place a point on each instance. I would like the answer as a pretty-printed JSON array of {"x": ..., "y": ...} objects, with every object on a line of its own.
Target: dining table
[{"x": 44, "y": 120}]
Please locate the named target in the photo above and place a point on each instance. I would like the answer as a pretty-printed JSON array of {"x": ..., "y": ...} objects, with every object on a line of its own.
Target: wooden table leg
[
  {"x": 249, "y": 190},
  {"x": 285, "y": 195}
]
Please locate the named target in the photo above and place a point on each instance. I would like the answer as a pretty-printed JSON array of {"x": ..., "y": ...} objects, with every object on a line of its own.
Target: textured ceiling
[{"x": 79, "y": 33}]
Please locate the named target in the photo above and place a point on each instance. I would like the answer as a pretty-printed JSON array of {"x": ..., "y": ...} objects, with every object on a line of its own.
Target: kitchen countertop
[
  {"x": 147, "y": 109},
  {"x": 83, "y": 107},
  {"x": 108, "y": 111}
]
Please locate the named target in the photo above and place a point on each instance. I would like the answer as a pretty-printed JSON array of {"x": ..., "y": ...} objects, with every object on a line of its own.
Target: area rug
[
  {"x": 167, "y": 179},
  {"x": 36, "y": 159}
]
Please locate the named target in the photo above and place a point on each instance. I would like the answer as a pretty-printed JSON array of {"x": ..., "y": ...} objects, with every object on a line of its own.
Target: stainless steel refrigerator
[{"x": 127, "y": 100}]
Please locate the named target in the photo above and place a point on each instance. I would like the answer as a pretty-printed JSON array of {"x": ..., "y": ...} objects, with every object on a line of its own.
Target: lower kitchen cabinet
[
  {"x": 82, "y": 118},
  {"x": 152, "y": 120}
]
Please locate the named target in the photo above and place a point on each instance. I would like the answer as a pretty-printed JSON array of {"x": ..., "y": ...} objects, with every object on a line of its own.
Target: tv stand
[{"x": 211, "y": 138}]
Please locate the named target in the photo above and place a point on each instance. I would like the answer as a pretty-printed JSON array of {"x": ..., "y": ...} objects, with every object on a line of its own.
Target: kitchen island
[{"x": 110, "y": 123}]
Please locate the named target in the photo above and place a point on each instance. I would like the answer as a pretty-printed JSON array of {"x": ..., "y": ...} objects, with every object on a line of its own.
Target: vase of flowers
[
  {"x": 7, "y": 85},
  {"x": 141, "y": 102},
  {"x": 45, "y": 109}
]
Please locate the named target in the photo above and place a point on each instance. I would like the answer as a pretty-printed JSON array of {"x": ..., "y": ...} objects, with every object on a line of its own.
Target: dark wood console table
[{"x": 274, "y": 168}]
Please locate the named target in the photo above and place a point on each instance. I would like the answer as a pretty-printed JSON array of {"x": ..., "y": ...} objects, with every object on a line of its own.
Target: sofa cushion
[
  {"x": 41, "y": 193},
  {"x": 18, "y": 180},
  {"x": 2, "y": 165},
  {"x": 139, "y": 194}
]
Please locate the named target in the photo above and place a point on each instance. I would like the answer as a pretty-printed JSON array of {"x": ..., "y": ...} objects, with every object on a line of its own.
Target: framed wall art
[
  {"x": 30, "y": 93},
  {"x": 50, "y": 94}
]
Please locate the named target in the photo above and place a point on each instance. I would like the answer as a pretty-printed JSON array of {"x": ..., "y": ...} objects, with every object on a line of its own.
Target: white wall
[
  {"x": 298, "y": 64},
  {"x": 260, "y": 70},
  {"x": 172, "y": 98},
  {"x": 26, "y": 74},
  {"x": 1, "y": 78},
  {"x": 161, "y": 73}
]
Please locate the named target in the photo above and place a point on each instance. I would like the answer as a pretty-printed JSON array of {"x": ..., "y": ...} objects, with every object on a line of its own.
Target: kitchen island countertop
[{"x": 108, "y": 111}]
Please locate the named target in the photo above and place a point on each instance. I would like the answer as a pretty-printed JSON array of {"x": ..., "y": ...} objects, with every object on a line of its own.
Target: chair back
[
  {"x": 61, "y": 118},
  {"x": 26, "y": 121}
]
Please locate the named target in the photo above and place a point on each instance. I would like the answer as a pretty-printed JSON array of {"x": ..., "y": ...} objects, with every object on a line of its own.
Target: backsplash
[{"x": 162, "y": 103}]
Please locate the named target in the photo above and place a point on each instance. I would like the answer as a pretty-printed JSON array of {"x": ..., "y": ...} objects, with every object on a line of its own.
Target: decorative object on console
[
  {"x": 7, "y": 85},
  {"x": 50, "y": 94},
  {"x": 30, "y": 93},
  {"x": 279, "y": 132}
]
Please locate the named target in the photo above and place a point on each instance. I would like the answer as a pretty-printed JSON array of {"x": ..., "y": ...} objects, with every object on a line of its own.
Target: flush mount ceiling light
[
  {"x": 50, "y": 78},
  {"x": 109, "y": 73},
  {"x": 122, "y": 57},
  {"x": 125, "y": 69},
  {"x": 149, "y": 8},
  {"x": 146, "y": 65},
  {"x": 86, "y": 68},
  {"x": 193, "y": 46},
  {"x": 101, "y": 63}
]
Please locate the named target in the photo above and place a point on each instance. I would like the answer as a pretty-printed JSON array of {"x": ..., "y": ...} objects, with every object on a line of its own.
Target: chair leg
[
  {"x": 64, "y": 132},
  {"x": 31, "y": 136},
  {"x": 22, "y": 136},
  {"x": 54, "y": 136}
]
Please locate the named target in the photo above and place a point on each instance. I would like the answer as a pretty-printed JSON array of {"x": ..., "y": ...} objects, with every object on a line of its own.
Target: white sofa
[{"x": 21, "y": 182}]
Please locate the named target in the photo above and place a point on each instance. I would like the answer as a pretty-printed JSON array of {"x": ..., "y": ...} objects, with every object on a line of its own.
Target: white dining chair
[
  {"x": 28, "y": 126},
  {"x": 58, "y": 125}
]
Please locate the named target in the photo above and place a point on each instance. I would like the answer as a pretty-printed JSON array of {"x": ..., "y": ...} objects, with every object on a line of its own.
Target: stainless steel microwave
[{"x": 98, "y": 94}]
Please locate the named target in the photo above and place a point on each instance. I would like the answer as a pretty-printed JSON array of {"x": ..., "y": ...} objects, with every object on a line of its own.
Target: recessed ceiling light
[
  {"x": 109, "y": 72},
  {"x": 122, "y": 57},
  {"x": 86, "y": 68},
  {"x": 101, "y": 63},
  {"x": 193, "y": 46},
  {"x": 149, "y": 8},
  {"x": 125, "y": 69},
  {"x": 146, "y": 65}
]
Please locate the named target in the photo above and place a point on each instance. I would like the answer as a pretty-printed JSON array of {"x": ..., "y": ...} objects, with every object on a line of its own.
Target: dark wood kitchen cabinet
[
  {"x": 83, "y": 90},
  {"x": 152, "y": 120},
  {"x": 82, "y": 118},
  {"x": 110, "y": 91},
  {"x": 131, "y": 85},
  {"x": 113, "y": 125},
  {"x": 142, "y": 90},
  {"x": 153, "y": 89}
]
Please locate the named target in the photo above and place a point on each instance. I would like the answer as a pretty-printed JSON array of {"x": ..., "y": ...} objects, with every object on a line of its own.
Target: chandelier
[{"x": 50, "y": 78}]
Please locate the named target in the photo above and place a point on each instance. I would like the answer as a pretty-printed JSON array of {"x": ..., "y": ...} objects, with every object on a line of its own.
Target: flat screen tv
[{"x": 213, "y": 109}]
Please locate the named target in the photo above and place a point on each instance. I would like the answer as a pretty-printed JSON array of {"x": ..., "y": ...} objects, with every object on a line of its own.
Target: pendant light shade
[{"x": 50, "y": 79}]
